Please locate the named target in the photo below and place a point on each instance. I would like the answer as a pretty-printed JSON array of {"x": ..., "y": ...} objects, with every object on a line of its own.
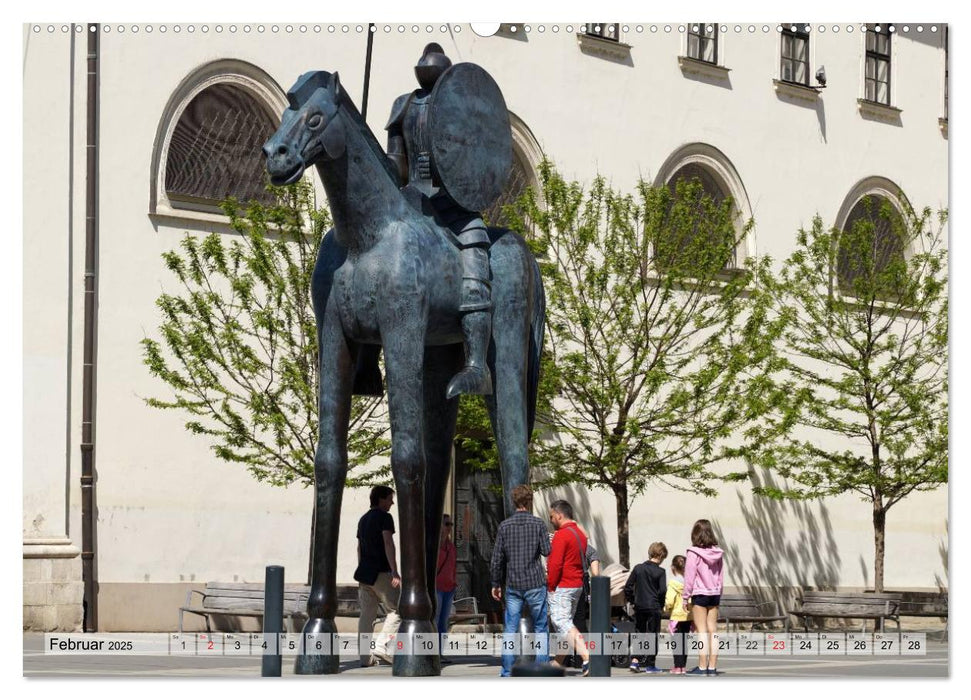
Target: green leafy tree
[
  {"x": 238, "y": 344},
  {"x": 652, "y": 337},
  {"x": 859, "y": 403}
]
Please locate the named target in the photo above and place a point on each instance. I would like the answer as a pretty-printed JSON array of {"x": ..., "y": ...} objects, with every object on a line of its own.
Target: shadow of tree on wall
[
  {"x": 865, "y": 573},
  {"x": 793, "y": 548},
  {"x": 943, "y": 551},
  {"x": 592, "y": 521}
]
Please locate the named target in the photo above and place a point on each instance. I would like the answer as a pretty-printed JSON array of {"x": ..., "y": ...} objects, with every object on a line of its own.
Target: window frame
[
  {"x": 871, "y": 210},
  {"x": 873, "y": 186},
  {"x": 797, "y": 31},
  {"x": 947, "y": 67},
  {"x": 701, "y": 36},
  {"x": 591, "y": 27},
  {"x": 258, "y": 110},
  {"x": 878, "y": 57},
  {"x": 251, "y": 78},
  {"x": 721, "y": 168}
]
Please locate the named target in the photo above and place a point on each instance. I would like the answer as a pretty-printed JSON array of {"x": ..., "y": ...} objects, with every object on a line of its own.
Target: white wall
[{"x": 169, "y": 511}]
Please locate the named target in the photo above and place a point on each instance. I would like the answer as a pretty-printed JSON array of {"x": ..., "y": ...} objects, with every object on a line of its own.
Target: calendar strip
[{"x": 349, "y": 645}]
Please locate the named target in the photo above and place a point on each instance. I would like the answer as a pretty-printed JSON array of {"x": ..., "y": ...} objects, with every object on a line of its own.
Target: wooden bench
[
  {"x": 737, "y": 608},
  {"x": 226, "y": 600},
  {"x": 466, "y": 611},
  {"x": 922, "y": 603},
  {"x": 878, "y": 607}
]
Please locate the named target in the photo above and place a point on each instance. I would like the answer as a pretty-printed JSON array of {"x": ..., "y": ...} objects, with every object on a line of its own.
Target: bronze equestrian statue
[{"x": 395, "y": 273}]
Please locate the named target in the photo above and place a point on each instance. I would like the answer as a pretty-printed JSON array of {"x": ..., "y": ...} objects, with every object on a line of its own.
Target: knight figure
[{"x": 419, "y": 148}]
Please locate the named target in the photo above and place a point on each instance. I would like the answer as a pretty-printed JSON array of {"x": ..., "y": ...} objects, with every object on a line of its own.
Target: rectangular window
[
  {"x": 877, "y": 84},
  {"x": 946, "y": 64},
  {"x": 795, "y": 54},
  {"x": 703, "y": 41},
  {"x": 603, "y": 30}
]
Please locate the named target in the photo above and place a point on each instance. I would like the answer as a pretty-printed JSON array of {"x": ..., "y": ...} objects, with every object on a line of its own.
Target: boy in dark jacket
[{"x": 646, "y": 588}]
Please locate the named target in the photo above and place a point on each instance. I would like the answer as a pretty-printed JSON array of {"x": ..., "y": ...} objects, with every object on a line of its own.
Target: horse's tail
[{"x": 537, "y": 327}]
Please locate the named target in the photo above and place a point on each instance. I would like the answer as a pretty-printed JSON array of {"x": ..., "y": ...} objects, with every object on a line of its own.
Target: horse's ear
[{"x": 335, "y": 85}]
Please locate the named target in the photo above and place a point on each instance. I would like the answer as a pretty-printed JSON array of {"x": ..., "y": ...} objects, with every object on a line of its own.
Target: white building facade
[{"x": 742, "y": 104}]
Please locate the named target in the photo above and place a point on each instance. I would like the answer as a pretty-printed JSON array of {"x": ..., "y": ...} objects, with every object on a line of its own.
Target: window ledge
[
  {"x": 616, "y": 50},
  {"x": 164, "y": 210},
  {"x": 512, "y": 30},
  {"x": 796, "y": 91},
  {"x": 693, "y": 66},
  {"x": 942, "y": 123},
  {"x": 879, "y": 111},
  {"x": 729, "y": 273},
  {"x": 880, "y": 306}
]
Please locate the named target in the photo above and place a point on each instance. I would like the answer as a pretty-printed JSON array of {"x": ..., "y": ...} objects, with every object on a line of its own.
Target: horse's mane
[{"x": 369, "y": 138}]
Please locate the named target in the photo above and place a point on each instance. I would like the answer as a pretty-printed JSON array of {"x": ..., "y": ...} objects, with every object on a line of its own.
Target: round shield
[{"x": 470, "y": 136}]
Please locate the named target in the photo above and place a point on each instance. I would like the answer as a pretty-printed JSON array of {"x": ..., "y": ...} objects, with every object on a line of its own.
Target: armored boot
[{"x": 476, "y": 309}]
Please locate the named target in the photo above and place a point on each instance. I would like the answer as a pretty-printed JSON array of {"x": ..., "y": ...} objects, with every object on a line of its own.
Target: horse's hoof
[
  {"x": 416, "y": 664},
  {"x": 310, "y": 664},
  {"x": 471, "y": 380}
]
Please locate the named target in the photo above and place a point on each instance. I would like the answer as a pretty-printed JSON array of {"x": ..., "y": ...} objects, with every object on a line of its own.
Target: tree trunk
[
  {"x": 623, "y": 525},
  {"x": 879, "y": 534}
]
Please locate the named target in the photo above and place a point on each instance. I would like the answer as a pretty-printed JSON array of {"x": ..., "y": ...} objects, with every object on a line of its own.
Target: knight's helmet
[{"x": 431, "y": 65}]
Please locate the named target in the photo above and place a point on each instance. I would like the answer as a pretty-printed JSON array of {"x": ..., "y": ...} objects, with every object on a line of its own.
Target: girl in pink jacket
[{"x": 702, "y": 593}]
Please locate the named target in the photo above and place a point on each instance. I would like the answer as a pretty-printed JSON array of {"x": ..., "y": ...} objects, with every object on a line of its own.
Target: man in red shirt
[{"x": 564, "y": 577}]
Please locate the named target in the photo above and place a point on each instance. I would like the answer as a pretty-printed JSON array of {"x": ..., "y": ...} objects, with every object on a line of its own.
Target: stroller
[
  {"x": 622, "y": 622},
  {"x": 620, "y": 618}
]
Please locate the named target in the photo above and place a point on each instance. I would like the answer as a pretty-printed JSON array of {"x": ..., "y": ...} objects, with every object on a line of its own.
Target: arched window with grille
[
  {"x": 871, "y": 250},
  {"x": 215, "y": 150},
  {"x": 704, "y": 175},
  {"x": 209, "y": 145},
  {"x": 520, "y": 177},
  {"x": 526, "y": 154}
]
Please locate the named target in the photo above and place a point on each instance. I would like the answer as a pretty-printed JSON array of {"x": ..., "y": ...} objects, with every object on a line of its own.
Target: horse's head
[{"x": 308, "y": 130}]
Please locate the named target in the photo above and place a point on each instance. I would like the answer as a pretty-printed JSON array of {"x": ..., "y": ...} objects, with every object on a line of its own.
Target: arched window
[
  {"x": 526, "y": 154},
  {"x": 871, "y": 251},
  {"x": 215, "y": 151},
  {"x": 520, "y": 177},
  {"x": 709, "y": 181},
  {"x": 714, "y": 179},
  {"x": 210, "y": 139}
]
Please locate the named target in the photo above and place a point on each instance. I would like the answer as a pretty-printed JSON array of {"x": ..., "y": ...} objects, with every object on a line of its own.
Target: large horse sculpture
[{"x": 387, "y": 276}]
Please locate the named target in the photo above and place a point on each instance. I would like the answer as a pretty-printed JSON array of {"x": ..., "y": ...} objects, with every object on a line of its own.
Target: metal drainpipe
[{"x": 88, "y": 500}]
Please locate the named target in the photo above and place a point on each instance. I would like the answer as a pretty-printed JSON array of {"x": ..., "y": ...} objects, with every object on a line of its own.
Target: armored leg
[{"x": 476, "y": 310}]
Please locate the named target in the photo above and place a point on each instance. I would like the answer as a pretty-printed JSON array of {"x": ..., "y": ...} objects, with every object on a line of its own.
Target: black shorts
[{"x": 706, "y": 601}]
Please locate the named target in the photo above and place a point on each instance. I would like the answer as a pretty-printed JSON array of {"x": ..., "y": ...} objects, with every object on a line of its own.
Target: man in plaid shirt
[{"x": 521, "y": 541}]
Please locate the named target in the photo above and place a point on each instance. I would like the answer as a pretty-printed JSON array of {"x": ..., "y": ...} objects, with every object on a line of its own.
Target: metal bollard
[
  {"x": 600, "y": 622},
  {"x": 526, "y": 626},
  {"x": 547, "y": 670},
  {"x": 273, "y": 621}
]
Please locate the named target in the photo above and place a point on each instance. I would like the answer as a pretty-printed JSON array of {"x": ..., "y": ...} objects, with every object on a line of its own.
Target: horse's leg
[
  {"x": 441, "y": 364},
  {"x": 511, "y": 303},
  {"x": 330, "y": 469},
  {"x": 403, "y": 324}
]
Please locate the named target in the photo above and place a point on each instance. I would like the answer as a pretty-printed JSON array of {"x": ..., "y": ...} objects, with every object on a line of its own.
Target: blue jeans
[
  {"x": 442, "y": 613},
  {"x": 535, "y": 599}
]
